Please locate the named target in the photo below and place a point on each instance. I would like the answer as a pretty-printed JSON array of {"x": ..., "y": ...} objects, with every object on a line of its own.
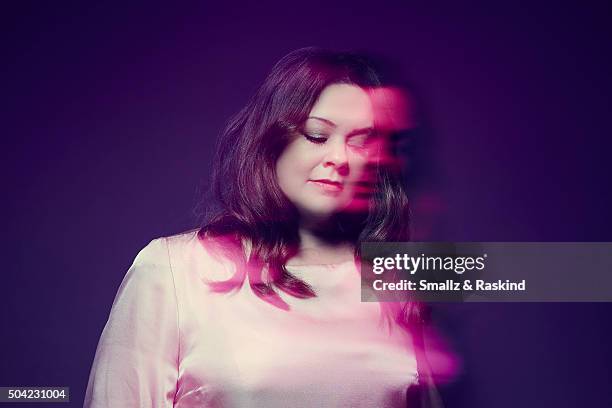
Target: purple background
[{"x": 109, "y": 118}]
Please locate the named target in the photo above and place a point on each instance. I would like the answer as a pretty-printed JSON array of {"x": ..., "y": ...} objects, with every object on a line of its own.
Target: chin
[
  {"x": 319, "y": 212},
  {"x": 358, "y": 205}
]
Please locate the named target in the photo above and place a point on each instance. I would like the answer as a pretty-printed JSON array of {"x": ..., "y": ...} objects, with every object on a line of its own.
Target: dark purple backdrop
[{"x": 110, "y": 113}]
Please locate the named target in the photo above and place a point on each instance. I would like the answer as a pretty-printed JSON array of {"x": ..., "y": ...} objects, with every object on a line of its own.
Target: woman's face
[{"x": 324, "y": 168}]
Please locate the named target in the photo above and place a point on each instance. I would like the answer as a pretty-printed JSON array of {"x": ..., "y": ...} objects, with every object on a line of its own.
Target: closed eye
[
  {"x": 361, "y": 140},
  {"x": 317, "y": 139},
  {"x": 358, "y": 140}
]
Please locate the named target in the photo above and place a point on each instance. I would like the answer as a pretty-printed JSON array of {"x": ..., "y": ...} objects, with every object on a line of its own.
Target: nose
[{"x": 337, "y": 157}]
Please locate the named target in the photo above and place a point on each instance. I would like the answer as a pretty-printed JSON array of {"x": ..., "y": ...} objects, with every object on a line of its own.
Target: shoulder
[
  {"x": 181, "y": 243},
  {"x": 153, "y": 263},
  {"x": 188, "y": 253},
  {"x": 154, "y": 253}
]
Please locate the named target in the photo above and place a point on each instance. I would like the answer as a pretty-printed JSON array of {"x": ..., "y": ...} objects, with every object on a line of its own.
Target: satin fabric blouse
[{"x": 170, "y": 342}]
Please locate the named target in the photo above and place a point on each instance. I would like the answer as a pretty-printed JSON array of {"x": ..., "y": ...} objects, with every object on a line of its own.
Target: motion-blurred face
[{"x": 324, "y": 168}]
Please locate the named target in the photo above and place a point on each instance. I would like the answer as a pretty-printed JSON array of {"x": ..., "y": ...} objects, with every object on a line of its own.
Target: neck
[{"x": 320, "y": 244}]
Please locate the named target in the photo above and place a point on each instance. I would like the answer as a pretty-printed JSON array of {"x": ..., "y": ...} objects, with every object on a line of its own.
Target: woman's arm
[{"x": 136, "y": 362}]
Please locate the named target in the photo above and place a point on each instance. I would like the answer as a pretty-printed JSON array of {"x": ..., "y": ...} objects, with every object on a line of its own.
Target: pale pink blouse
[{"x": 170, "y": 342}]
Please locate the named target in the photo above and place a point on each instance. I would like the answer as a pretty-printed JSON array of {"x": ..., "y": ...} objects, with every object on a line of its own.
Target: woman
[{"x": 302, "y": 175}]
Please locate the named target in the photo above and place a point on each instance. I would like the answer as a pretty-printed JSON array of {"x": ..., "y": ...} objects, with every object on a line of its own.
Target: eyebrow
[
  {"x": 352, "y": 133},
  {"x": 329, "y": 122}
]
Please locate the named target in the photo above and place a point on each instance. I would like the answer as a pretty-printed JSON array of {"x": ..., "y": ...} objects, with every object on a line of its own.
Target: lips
[{"x": 328, "y": 185}]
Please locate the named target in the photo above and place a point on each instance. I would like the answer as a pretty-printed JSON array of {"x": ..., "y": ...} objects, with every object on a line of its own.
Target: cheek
[
  {"x": 362, "y": 182},
  {"x": 358, "y": 165},
  {"x": 283, "y": 174},
  {"x": 293, "y": 167}
]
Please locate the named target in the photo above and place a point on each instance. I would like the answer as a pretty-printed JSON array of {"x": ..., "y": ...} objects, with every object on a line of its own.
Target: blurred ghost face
[{"x": 324, "y": 168}]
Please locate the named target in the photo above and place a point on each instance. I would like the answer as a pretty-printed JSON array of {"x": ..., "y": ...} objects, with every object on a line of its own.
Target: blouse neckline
[{"x": 321, "y": 265}]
